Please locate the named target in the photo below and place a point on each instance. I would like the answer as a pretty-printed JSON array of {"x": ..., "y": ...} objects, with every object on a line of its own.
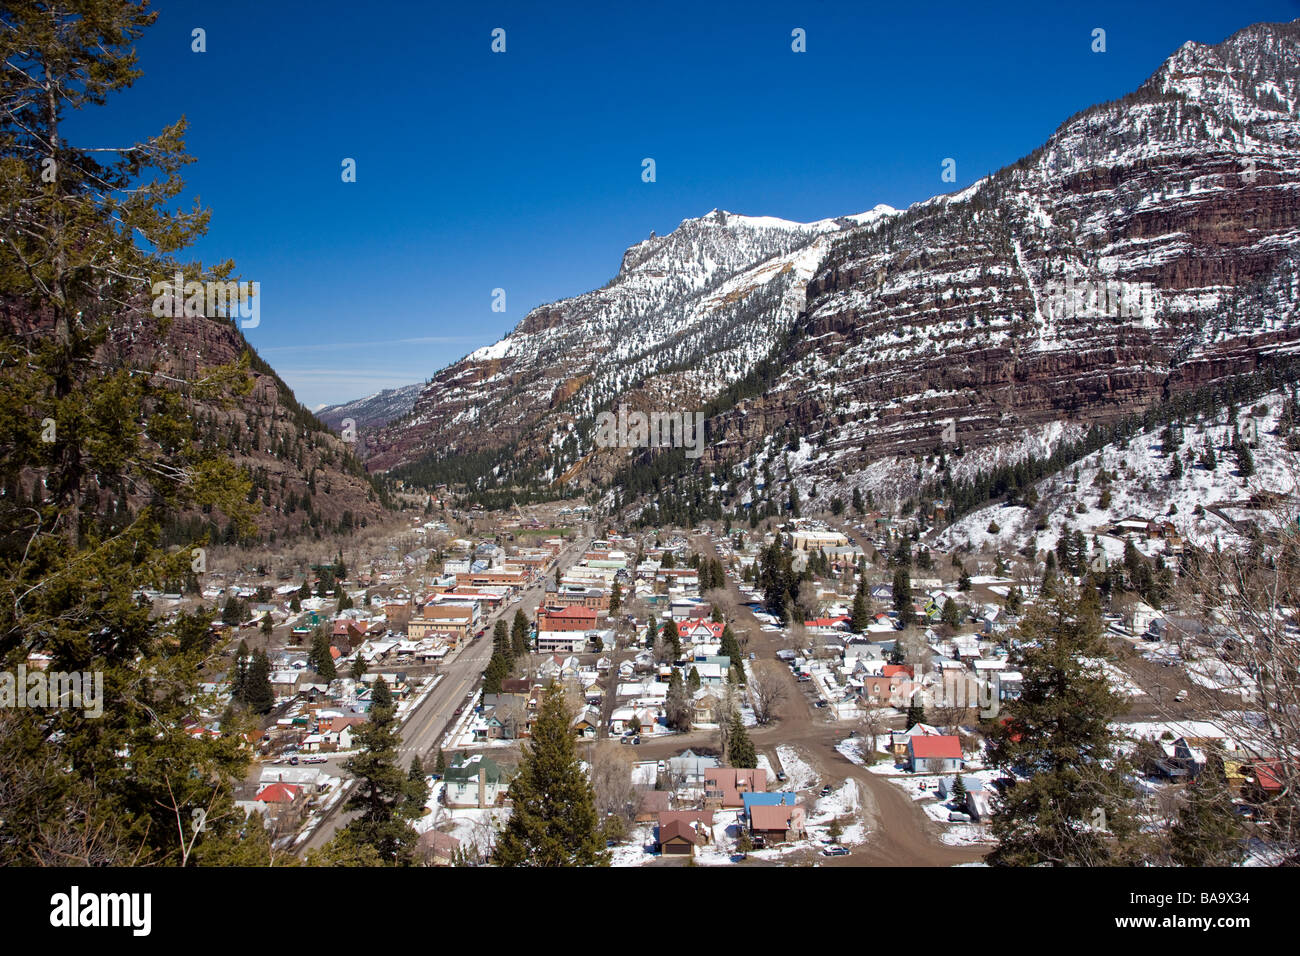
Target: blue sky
[{"x": 522, "y": 170}]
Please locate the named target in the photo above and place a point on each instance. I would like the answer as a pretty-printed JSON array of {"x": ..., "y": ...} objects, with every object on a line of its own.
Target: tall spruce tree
[
  {"x": 382, "y": 798},
  {"x": 553, "y": 820},
  {"x": 677, "y": 705},
  {"x": 258, "y": 693},
  {"x": 740, "y": 749},
  {"x": 1065, "y": 799},
  {"x": 519, "y": 634},
  {"x": 861, "y": 614},
  {"x": 88, "y": 413},
  {"x": 1208, "y": 831},
  {"x": 903, "y": 596}
]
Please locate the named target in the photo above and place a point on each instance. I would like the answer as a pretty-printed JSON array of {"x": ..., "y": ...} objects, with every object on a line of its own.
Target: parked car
[
  {"x": 836, "y": 851},
  {"x": 826, "y": 790},
  {"x": 957, "y": 816},
  {"x": 780, "y": 775},
  {"x": 316, "y": 759}
]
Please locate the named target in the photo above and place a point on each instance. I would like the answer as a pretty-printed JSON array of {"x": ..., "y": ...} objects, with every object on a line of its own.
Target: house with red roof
[
  {"x": 701, "y": 631},
  {"x": 777, "y": 823},
  {"x": 723, "y": 786},
  {"x": 941, "y": 753},
  {"x": 279, "y": 793},
  {"x": 575, "y": 617}
]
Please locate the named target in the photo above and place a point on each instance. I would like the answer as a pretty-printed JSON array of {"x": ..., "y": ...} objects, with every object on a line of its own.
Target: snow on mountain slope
[
  {"x": 1203, "y": 504},
  {"x": 883, "y": 325},
  {"x": 687, "y": 314}
]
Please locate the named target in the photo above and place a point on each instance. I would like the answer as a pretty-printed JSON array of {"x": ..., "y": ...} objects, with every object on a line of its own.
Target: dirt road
[{"x": 900, "y": 832}]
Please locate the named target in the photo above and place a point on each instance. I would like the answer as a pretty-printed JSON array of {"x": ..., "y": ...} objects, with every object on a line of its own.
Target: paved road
[{"x": 460, "y": 676}]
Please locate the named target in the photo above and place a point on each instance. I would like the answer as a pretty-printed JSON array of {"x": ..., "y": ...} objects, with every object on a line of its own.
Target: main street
[{"x": 460, "y": 679}]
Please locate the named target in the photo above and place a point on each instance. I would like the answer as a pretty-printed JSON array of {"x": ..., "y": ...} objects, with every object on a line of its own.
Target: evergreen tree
[
  {"x": 90, "y": 414},
  {"x": 677, "y": 706},
  {"x": 1208, "y": 831},
  {"x": 381, "y": 800},
  {"x": 959, "y": 789},
  {"x": 501, "y": 643},
  {"x": 234, "y": 611},
  {"x": 1066, "y": 799},
  {"x": 497, "y": 670},
  {"x": 320, "y": 659},
  {"x": 951, "y": 614},
  {"x": 519, "y": 634},
  {"x": 860, "y": 617},
  {"x": 963, "y": 582},
  {"x": 553, "y": 821},
  {"x": 903, "y": 596},
  {"x": 615, "y": 598},
  {"x": 440, "y": 765},
  {"x": 417, "y": 788},
  {"x": 258, "y": 694},
  {"x": 915, "y": 713},
  {"x": 1245, "y": 460},
  {"x": 740, "y": 749},
  {"x": 693, "y": 680},
  {"x": 673, "y": 640},
  {"x": 239, "y": 672}
]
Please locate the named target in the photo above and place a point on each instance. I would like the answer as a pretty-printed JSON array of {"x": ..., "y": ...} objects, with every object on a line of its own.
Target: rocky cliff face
[
  {"x": 1151, "y": 245},
  {"x": 293, "y": 458}
]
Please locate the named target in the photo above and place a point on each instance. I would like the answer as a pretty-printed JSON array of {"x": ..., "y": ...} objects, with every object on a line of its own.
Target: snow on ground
[
  {"x": 1119, "y": 682},
  {"x": 799, "y": 775},
  {"x": 1218, "y": 675},
  {"x": 855, "y": 748},
  {"x": 474, "y": 828},
  {"x": 1142, "y": 486},
  {"x": 844, "y": 804}
]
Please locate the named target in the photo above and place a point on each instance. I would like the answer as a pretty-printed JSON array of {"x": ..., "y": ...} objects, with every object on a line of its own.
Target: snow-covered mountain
[
  {"x": 375, "y": 410},
  {"x": 688, "y": 314},
  {"x": 1151, "y": 246}
]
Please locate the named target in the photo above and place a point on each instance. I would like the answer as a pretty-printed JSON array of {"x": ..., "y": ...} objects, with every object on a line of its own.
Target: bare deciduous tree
[{"x": 768, "y": 685}]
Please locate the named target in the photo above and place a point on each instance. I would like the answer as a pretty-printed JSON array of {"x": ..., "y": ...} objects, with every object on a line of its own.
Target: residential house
[
  {"x": 934, "y": 754},
  {"x": 476, "y": 781},
  {"x": 777, "y": 823},
  {"x": 680, "y": 832},
  {"x": 653, "y": 803},
  {"x": 725, "y": 787},
  {"x": 435, "y": 848}
]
